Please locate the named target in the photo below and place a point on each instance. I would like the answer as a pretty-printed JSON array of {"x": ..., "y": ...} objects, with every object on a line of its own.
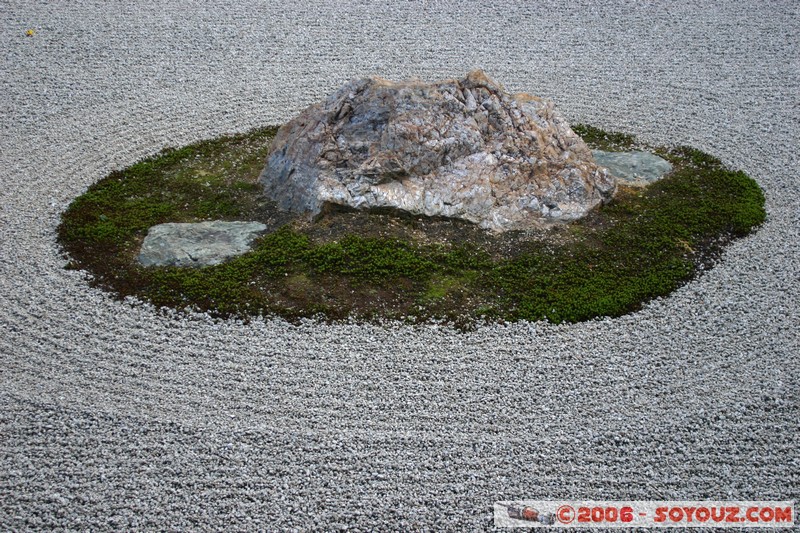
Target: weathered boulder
[
  {"x": 197, "y": 244},
  {"x": 456, "y": 148},
  {"x": 637, "y": 169}
]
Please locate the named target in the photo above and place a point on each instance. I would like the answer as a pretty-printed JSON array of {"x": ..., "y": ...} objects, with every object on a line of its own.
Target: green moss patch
[{"x": 642, "y": 245}]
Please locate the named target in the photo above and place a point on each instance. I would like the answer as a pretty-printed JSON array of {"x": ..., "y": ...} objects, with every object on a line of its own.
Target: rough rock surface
[
  {"x": 197, "y": 244},
  {"x": 457, "y": 148},
  {"x": 633, "y": 168}
]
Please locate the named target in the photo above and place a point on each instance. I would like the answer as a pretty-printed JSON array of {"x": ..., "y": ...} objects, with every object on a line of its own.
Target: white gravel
[{"x": 113, "y": 416}]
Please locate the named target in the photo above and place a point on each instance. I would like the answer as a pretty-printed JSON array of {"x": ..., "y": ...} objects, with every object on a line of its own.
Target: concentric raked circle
[{"x": 115, "y": 415}]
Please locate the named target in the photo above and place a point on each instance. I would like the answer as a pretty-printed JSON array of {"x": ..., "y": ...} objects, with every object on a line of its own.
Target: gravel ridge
[{"x": 114, "y": 415}]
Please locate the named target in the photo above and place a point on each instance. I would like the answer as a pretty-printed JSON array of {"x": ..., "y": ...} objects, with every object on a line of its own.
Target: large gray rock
[
  {"x": 637, "y": 168},
  {"x": 197, "y": 244},
  {"x": 457, "y": 148}
]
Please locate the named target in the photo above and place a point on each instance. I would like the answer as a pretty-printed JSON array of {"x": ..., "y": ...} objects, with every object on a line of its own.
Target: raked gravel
[{"x": 115, "y": 416}]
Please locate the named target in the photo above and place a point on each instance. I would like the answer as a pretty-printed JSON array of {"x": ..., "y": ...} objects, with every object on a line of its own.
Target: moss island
[{"x": 379, "y": 264}]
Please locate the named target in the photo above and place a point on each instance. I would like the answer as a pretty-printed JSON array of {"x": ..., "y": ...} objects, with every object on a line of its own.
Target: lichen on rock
[{"x": 456, "y": 148}]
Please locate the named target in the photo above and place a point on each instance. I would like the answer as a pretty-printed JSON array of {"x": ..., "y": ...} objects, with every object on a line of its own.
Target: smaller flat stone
[
  {"x": 633, "y": 168},
  {"x": 197, "y": 244}
]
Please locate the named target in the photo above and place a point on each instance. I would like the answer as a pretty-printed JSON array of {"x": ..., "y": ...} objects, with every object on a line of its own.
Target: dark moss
[
  {"x": 604, "y": 140},
  {"x": 642, "y": 245}
]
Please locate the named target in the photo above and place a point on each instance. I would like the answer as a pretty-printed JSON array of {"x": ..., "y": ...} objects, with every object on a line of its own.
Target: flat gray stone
[
  {"x": 197, "y": 244},
  {"x": 633, "y": 168}
]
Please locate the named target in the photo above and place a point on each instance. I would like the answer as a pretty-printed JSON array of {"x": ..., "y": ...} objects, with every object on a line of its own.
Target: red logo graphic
[{"x": 565, "y": 514}]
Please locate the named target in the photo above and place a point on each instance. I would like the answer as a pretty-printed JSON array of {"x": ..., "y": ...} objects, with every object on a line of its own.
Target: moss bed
[{"x": 642, "y": 245}]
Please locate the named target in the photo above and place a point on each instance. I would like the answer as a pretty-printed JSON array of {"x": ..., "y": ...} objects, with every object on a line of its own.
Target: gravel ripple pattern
[{"x": 116, "y": 416}]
